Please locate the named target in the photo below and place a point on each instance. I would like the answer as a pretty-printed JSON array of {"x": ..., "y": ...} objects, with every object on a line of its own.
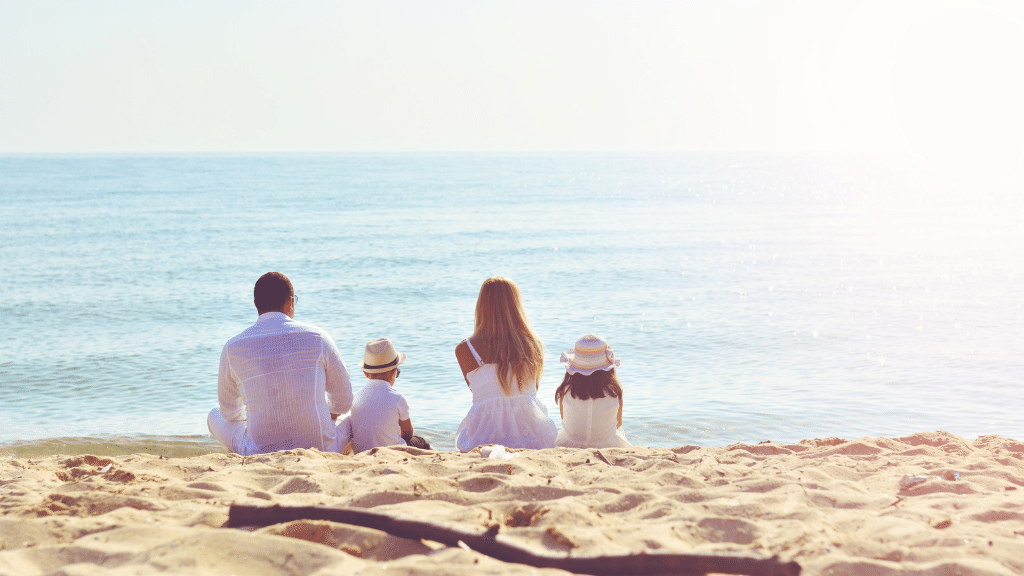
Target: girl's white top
[
  {"x": 516, "y": 421},
  {"x": 590, "y": 423}
]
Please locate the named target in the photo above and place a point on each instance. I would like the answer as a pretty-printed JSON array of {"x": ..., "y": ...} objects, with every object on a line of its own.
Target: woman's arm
[
  {"x": 466, "y": 360},
  {"x": 620, "y": 411}
]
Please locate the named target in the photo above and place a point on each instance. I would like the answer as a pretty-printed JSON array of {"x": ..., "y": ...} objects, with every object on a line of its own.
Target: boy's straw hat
[
  {"x": 590, "y": 354},
  {"x": 380, "y": 356}
]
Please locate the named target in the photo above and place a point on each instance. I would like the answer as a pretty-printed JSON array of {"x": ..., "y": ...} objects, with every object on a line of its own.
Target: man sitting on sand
[
  {"x": 282, "y": 383},
  {"x": 380, "y": 414}
]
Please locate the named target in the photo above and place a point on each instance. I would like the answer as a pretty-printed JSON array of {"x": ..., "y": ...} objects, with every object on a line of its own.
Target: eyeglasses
[
  {"x": 295, "y": 299},
  {"x": 398, "y": 372}
]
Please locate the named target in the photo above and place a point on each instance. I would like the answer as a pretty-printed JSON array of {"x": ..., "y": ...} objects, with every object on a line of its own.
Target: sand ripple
[{"x": 835, "y": 506}]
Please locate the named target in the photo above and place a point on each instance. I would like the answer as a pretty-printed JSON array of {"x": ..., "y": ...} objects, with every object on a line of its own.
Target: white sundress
[
  {"x": 590, "y": 423},
  {"x": 516, "y": 421}
]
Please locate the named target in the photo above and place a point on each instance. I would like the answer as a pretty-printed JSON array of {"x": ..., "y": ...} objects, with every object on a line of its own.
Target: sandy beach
[{"x": 927, "y": 504}]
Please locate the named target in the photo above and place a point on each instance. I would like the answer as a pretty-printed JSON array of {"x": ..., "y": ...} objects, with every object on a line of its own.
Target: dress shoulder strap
[{"x": 473, "y": 350}]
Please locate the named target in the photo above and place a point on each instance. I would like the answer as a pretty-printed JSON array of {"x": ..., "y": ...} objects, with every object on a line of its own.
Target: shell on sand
[{"x": 835, "y": 506}]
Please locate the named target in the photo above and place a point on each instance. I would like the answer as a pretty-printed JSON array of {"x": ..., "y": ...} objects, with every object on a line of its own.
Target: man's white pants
[{"x": 231, "y": 434}]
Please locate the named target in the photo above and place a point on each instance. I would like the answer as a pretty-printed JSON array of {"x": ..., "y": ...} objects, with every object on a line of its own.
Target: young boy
[{"x": 380, "y": 415}]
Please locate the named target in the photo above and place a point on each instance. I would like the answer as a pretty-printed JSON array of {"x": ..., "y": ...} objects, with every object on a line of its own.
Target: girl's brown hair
[
  {"x": 503, "y": 335},
  {"x": 592, "y": 386}
]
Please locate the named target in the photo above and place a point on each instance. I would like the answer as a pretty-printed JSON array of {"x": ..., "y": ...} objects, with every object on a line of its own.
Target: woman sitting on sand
[
  {"x": 590, "y": 397},
  {"x": 502, "y": 363}
]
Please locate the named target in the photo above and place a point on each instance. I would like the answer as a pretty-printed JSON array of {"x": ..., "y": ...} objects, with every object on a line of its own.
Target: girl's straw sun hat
[
  {"x": 590, "y": 354},
  {"x": 380, "y": 356}
]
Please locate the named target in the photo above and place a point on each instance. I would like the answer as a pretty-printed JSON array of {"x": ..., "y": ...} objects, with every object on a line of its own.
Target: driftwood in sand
[{"x": 495, "y": 546}]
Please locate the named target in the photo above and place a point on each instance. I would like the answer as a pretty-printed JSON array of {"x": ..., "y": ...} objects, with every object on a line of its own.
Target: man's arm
[
  {"x": 229, "y": 392},
  {"x": 339, "y": 385}
]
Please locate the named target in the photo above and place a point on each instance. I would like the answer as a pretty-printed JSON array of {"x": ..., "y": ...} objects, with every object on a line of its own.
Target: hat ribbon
[{"x": 372, "y": 367}]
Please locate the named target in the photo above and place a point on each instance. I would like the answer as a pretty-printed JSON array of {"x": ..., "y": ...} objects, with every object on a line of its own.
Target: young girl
[
  {"x": 502, "y": 363},
  {"x": 590, "y": 397}
]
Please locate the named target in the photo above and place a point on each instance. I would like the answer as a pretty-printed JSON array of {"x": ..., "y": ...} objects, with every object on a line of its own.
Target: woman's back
[
  {"x": 484, "y": 384},
  {"x": 516, "y": 420}
]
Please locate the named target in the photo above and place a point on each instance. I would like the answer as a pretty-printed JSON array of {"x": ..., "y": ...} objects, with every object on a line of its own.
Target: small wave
[{"x": 167, "y": 446}]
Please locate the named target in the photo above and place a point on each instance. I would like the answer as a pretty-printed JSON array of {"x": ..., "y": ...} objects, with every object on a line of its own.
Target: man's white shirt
[{"x": 285, "y": 378}]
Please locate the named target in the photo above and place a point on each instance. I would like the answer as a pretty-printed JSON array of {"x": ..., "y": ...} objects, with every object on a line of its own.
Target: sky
[{"x": 933, "y": 80}]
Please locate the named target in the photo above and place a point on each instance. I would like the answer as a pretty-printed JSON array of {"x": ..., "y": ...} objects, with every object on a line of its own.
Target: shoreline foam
[{"x": 835, "y": 506}]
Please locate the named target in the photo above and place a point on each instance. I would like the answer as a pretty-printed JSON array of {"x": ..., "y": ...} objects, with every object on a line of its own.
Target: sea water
[{"x": 749, "y": 297}]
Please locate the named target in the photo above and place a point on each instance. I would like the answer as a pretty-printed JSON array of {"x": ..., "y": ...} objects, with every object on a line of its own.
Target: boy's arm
[{"x": 404, "y": 419}]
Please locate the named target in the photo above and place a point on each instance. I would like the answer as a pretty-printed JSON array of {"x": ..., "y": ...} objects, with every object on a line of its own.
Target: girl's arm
[
  {"x": 620, "y": 411},
  {"x": 466, "y": 360}
]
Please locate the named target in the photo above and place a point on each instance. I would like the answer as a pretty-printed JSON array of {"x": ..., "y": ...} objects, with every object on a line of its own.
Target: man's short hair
[{"x": 273, "y": 290}]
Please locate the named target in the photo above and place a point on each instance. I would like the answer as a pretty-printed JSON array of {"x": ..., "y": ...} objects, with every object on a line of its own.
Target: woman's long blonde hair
[{"x": 503, "y": 335}]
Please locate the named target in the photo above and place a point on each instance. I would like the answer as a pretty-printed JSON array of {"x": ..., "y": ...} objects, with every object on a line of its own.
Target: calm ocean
[{"x": 750, "y": 297}]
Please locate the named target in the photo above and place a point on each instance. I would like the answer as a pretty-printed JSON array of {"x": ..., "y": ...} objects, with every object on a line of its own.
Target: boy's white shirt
[{"x": 375, "y": 414}]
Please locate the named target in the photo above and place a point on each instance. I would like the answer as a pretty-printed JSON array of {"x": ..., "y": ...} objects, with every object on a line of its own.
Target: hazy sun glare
[
  {"x": 958, "y": 84},
  {"x": 940, "y": 82}
]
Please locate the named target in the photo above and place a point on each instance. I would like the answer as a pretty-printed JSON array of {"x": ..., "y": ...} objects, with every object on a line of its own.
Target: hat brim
[
  {"x": 380, "y": 369},
  {"x": 568, "y": 357}
]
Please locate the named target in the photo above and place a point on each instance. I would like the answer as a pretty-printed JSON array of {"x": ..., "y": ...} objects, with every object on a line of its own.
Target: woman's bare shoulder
[
  {"x": 466, "y": 360},
  {"x": 471, "y": 341},
  {"x": 462, "y": 351}
]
